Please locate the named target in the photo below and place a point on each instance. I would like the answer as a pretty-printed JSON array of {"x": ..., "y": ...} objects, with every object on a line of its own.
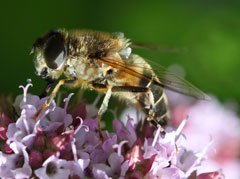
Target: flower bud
[
  {"x": 39, "y": 142},
  {"x": 35, "y": 159},
  {"x": 47, "y": 153},
  {"x": 6, "y": 149}
]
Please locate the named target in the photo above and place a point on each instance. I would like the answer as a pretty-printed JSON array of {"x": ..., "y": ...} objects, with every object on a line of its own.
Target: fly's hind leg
[
  {"x": 161, "y": 106},
  {"x": 151, "y": 106},
  {"x": 152, "y": 116},
  {"x": 151, "y": 112}
]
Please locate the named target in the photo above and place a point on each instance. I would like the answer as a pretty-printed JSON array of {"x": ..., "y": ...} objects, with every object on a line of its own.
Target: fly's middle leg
[
  {"x": 155, "y": 105},
  {"x": 102, "y": 109},
  {"x": 109, "y": 89}
]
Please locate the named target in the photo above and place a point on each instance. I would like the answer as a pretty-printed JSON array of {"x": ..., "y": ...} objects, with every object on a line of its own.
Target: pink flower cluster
[
  {"x": 61, "y": 145},
  {"x": 210, "y": 120}
]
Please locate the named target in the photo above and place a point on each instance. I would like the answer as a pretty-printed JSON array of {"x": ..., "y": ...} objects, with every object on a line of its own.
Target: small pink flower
[
  {"x": 125, "y": 132},
  {"x": 211, "y": 175},
  {"x": 53, "y": 168},
  {"x": 60, "y": 142},
  {"x": 134, "y": 156}
]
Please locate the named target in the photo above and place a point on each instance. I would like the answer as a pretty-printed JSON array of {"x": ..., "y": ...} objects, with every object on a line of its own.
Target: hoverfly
[{"x": 104, "y": 62}]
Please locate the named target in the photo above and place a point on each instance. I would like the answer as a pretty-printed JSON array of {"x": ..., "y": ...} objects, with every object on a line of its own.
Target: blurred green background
[{"x": 209, "y": 30}]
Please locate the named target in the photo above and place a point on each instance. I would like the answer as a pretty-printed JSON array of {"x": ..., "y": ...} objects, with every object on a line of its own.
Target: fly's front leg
[{"x": 52, "y": 96}]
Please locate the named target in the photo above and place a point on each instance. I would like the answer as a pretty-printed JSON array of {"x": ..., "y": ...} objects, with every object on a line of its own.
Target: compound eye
[{"x": 55, "y": 51}]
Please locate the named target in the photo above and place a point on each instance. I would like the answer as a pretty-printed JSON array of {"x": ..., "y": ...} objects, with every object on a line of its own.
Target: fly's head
[{"x": 50, "y": 54}]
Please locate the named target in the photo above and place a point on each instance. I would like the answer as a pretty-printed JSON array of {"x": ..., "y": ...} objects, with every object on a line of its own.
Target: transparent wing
[
  {"x": 171, "y": 81},
  {"x": 161, "y": 76},
  {"x": 165, "y": 48}
]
